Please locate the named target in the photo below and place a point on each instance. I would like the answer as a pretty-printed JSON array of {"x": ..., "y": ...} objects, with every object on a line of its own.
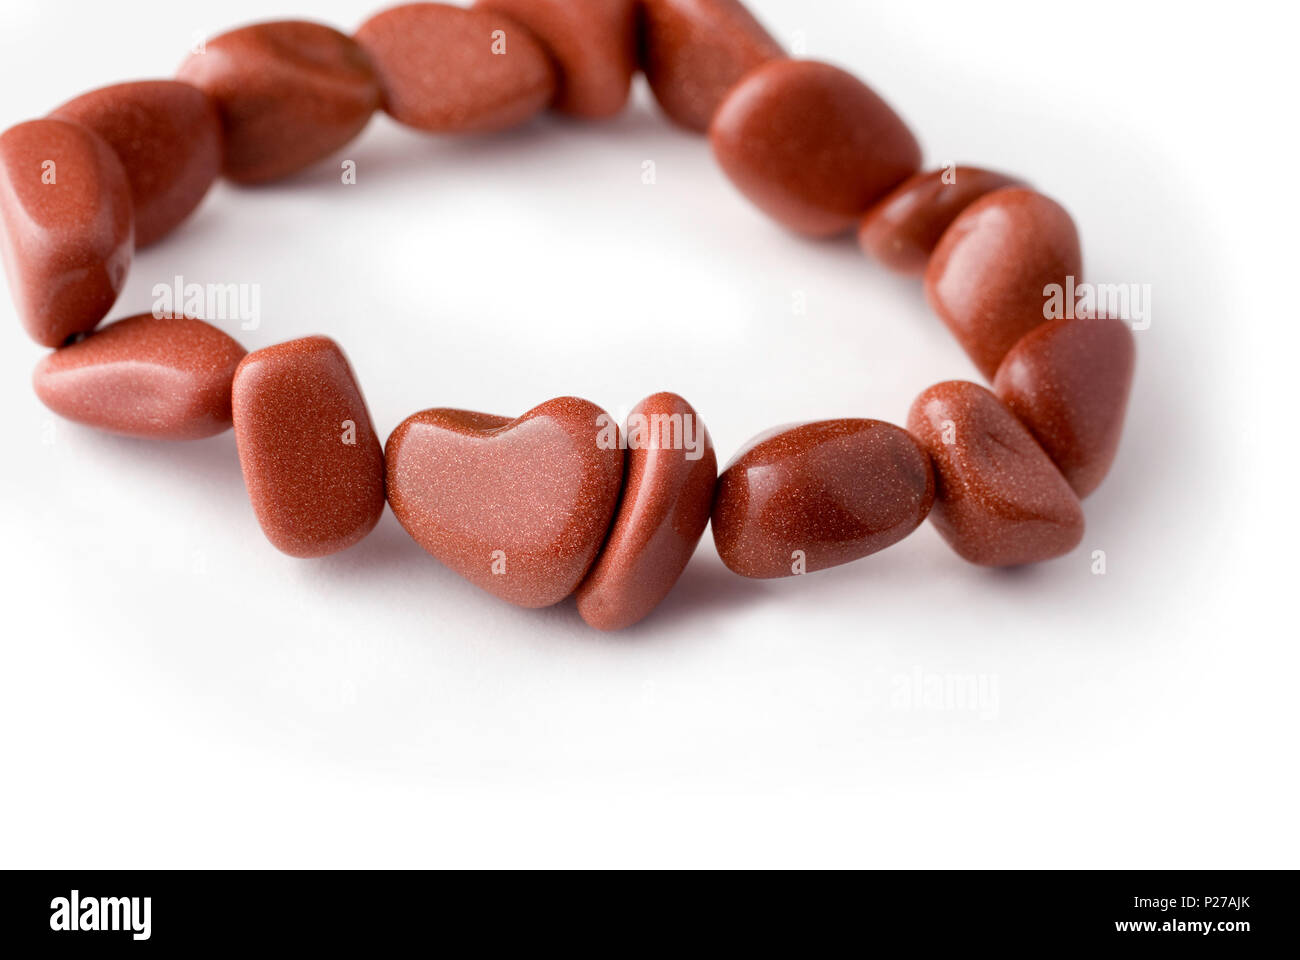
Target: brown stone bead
[
  {"x": 593, "y": 43},
  {"x": 438, "y": 70},
  {"x": 986, "y": 277},
  {"x": 822, "y": 493},
  {"x": 290, "y": 93},
  {"x": 312, "y": 463},
  {"x": 902, "y": 230},
  {"x": 1068, "y": 381},
  {"x": 694, "y": 51},
  {"x": 65, "y": 206},
  {"x": 518, "y": 507},
  {"x": 1000, "y": 501},
  {"x": 167, "y": 378},
  {"x": 811, "y": 145},
  {"x": 168, "y": 137},
  {"x": 671, "y": 473}
]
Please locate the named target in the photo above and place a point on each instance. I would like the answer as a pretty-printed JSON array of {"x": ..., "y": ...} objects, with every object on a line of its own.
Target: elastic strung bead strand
[{"x": 535, "y": 509}]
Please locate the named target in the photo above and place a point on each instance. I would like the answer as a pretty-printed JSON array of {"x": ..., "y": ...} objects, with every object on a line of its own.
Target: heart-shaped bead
[{"x": 518, "y": 507}]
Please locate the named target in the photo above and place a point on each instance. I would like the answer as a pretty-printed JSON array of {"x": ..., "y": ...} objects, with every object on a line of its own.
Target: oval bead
[
  {"x": 902, "y": 230},
  {"x": 667, "y": 497},
  {"x": 1068, "y": 382},
  {"x": 438, "y": 71},
  {"x": 813, "y": 496},
  {"x": 593, "y": 43},
  {"x": 312, "y": 463},
  {"x": 167, "y": 378},
  {"x": 811, "y": 145},
  {"x": 289, "y": 92},
  {"x": 694, "y": 51},
  {"x": 1000, "y": 501},
  {"x": 65, "y": 206},
  {"x": 168, "y": 137},
  {"x": 518, "y": 507},
  {"x": 987, "y": 276}
]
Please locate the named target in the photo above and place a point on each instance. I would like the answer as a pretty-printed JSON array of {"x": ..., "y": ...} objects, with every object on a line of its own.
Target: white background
[{"x": 177, "y": 693}]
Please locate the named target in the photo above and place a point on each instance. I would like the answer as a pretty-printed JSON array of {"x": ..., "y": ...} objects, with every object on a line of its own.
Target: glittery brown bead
[
  {"x": 1068, "y": 381},
  {"x": 999, "y": 501},
  {"x": 312, "y": 463},
  {"x": 167, "y": 378},
  {"x": 811, "y": 145},
  {"x": 671, "y": 473},
  {"x": 446, "y": 69},
  {"x": 518, "y": 507},
  {"x": 902, "y": 230},
  {"x": 65, "y": 206},
  {"x": 804, "y": 498}
]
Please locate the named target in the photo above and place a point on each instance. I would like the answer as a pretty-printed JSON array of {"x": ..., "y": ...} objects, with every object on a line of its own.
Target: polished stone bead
[
  {"x": 290, "y": 93},
  {"x": 667, "y": 497},
  {"x": 168, "y": 137},
  {"x": 446, "y": 69},
  {"x": 694, "y": 51},
  {"x": 166, "y": 378},
  {"x": 988, "y": 277},
  {"x": 1068, "y": 382},
  {"x": 312, "y": 463},
  {"x": 811, "y": 145},
  {"x": 1000, "y": 501},
  {"x": 593, "y": 43},
  {"x": 68, "y": 227},
  {"x": 808, "y": 497},
  {"x": 518, "y": 507},
  {"x": 902, "y": 230}
]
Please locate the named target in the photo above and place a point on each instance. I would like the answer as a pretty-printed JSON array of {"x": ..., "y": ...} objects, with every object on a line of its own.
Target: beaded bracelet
[{"x": 563, "y": 500}]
